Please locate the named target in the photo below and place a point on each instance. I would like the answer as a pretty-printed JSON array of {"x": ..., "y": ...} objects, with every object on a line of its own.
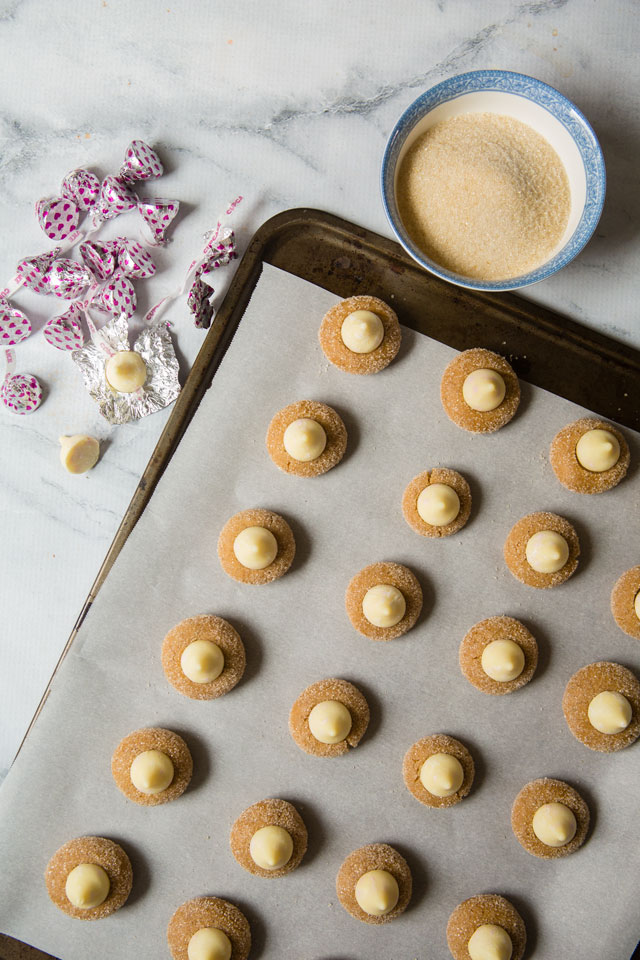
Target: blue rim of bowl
[{"x": 560, "y": 107}]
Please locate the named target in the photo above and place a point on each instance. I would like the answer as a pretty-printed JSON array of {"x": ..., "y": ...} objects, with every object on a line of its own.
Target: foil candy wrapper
[
  {"x": 81, "y": 186},
  {"x": 34, "y": 271},
  {"x": 64, "y": 332},
  {"x": 156, "y": 349},
  {"x": 140, "y": 163},
  {"x": 21, "y": 393},
  {"x": 68, "y": 278},
  {"x": 158, "y": 214},
  {"x": 14, "y": 325},
  {"x": 199, "y": 298},
  {"x": 58, "y": 217}
]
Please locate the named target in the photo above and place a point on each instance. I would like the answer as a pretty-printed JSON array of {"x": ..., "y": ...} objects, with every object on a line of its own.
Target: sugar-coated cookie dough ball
[
  {"x": 442, "y": 774},
  {"x": 151, "y": 772},
  {"x": 209, "y": 943},
  {"x": 547, "y": 551},
  {"x": 384, "y": 605},
  {"x": 438, "y": 504},
  {"x": 79, "y": 453},
  {"x": 483, "y": 390},
  {"x": 271, "y": 847},
  {"x": 503, "y": 660},
  {"x": 598, "y": 450},
  {"x": 255, "y": 548},
  {"x": 362, "y": 331},
  {"x": 305, "y": 439},
  {"x": 125, "y": 371},
  {"x": 202, "y": 661},
  {"x": 609, "y": 712},
  {"x": 330, "y": 721},
  {"x": 377, "y": 892},
  {"x": 87, "y": 886},
  {"x": 554, "y": 824},
  {"x": 490, "y": 942}
]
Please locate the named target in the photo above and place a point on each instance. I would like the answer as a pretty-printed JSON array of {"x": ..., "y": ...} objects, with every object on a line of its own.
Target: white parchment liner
[{"x": 296, "y": 631}]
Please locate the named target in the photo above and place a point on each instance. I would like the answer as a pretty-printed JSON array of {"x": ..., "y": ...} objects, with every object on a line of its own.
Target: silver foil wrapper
[{"x": 156, "y": 349}]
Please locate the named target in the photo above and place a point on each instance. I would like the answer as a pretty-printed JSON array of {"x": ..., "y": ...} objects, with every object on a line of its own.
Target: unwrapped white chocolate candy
[
  {"x": 438, "y": 504},
  {"x": 271, "y": 847},
  {"x": 547, "y": 551},
  {"x": 609, "y": 712},
  {"x": 87, "y": 886},
  {"x": 554, "y": 824},
  {"x": 255, "y": 548},
  {"x": 79, "y": 452},
  {"x": 598, "y": 450},
  {"x": 330, "y": 721},
  {"x": 125, "y": 371},
  {"x": 490, "y": 942},
  {"x": 209, "y": 943},
  {"x": 483, "y": 390},
  {"x": 362, "y": 331},
  {"x": 441, "y": 774},
  {"x": 636, "y": 605},
  {"x": 384, "y": 605},
  {"x": 502, "y": 660},
  {"x": 151, "y": 772},
  {"x": 202, "y": 661},
  {"x": 304, "y": 439},
  {"x": 377, "y": 892}
]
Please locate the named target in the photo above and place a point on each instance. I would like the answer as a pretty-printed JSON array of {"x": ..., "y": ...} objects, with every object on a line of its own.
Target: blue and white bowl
[{"x": 534, "y": 103}]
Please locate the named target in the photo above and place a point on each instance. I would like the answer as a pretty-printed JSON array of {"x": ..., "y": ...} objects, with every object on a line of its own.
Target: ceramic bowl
[{"x": 534, "y": 103}]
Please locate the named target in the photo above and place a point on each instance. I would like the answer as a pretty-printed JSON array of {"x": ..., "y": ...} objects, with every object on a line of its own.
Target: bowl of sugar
[{"x": 493, "y": 180}]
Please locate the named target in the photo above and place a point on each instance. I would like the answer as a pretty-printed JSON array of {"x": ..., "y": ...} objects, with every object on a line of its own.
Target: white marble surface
[{"x": 289, "y": 104}]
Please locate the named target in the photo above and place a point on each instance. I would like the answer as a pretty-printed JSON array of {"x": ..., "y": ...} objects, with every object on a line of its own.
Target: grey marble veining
[{"x": 289, "y": 104}]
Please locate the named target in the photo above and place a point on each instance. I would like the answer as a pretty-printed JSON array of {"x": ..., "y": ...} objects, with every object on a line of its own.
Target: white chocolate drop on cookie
[
  {"x": 304, "y": 439},
  {"x": 362, "y": 331},
  {"x": 598, "y": 450},
  {"x": 151, "y": 772},
  {"x": 483, "y": 390},
  {"x": 502, "y": 660},
  {"x": 79, "y": 453},
  {"x": 255, "y": 548},
  {"x": 209, "y": 943},
  {"x": 377, "y": 892},
  {"x": 87, "y": 886},
  {"x": 490, "y": 942},
  {"x": 609, "y": 712},
  {"x": 442, "y": 774},
  {"x": 554, "y": 824},
  {"x": 125, "y": 371},
  {"x": 438, "y": 504},
  {"x": 384, "y": 605},
  {"x": 202, "y": 661},
  {"x": 547, "y": 551},
  {"x": 271, "y": 847},
  {"x": 330, "y": 721},
  {"x": 636, "y": 605}
]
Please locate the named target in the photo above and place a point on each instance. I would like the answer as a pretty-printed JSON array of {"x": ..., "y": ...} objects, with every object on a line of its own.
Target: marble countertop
[{"x": 288, "y": 104}]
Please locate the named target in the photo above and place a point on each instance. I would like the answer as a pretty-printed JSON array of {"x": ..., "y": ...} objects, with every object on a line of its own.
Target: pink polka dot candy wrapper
[
  {"x": 158, "y": 215},
  {"x": 140, "y": 163},
  {"x": 68, "y": 278},
  {"x": 82, "y": 187},
  {"x": 99, "y": 258},
  {"x": 134, "y": 261},
  {"x": 21, "y": 393},
  {"x": 117, "y": 296},
  {"x": 34, "y": 271},
  {"x": 14, "y": 326},
  {"x": 58, "y": 217},
  {"x": 64, "y": 332}
]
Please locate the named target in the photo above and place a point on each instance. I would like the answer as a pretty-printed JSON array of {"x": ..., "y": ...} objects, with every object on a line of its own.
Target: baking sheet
[{"x": 296, "y": 631}]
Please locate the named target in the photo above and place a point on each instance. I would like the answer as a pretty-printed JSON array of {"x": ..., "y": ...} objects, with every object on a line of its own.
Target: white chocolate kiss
[
  {"x": 255, "y": 548},
  {"x": 483, "y": 390},
  {"x": 304, "y": 439},
  {"x": 151, "y": 772},
  {"x": 636, "y": 605},
  {"x": 377, "y": 892},
  {"x": 441, "y": 774},
  {"x": 609, "y": 712},
  {"x": 125, "y": 371},
  {"x": 547, "y": 551},
  {"x": 87, "y": 886},
  {"x": 271, "y": 847},
  {"x": 502, "y": 660},
  {"x": 330, "y": 721},
  {"x": 362, "y": 331},
  {"x": 490, "y": 942},
  {"x": 554, "y": 824},
  {"x": 202, "y": 661},
  {"x": 438, "y": 504},
  {"x": 209, "y": 943},
  {"x": 79, "y": 453},
  {"x": 598, "y": 450},
  {"x": 384, "y": 605}
]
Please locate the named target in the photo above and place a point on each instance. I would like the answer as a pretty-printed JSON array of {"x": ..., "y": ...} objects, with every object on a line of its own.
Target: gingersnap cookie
[
  {"x": 209, "y": 922},
  {"x": 601, "y": 705},
  {"x": 256, "y": 546},
  {"x": 203, "y": 657},
  {"x": 479, "y": 391},
  {"x": 374, "y": 883},
  {"x": 384, "y": 600},
  {"x": 498, "y": 655},
  {"x": 360, "y": 335},
  {"x": 269, "y": 839},
  {"x": 472, "y": 917},
  {"x": 329, "y": 717},
  {"x": 306, "y": 438},
  {"x": 437, "y": 502},
  {"x": 542, "y": 550},
  {"x": 625, "y": 602},
  {"x": 549, "y": 818},
  {"x": 589, "y": 456},
  {"x": 89, "y": 878},
  {"x": 438, "y": 770},
  {"x": 152, "y": 766}
]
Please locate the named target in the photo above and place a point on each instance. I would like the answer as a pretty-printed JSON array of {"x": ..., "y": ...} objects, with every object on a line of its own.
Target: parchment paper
[{"x": 296, "y": 631}]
